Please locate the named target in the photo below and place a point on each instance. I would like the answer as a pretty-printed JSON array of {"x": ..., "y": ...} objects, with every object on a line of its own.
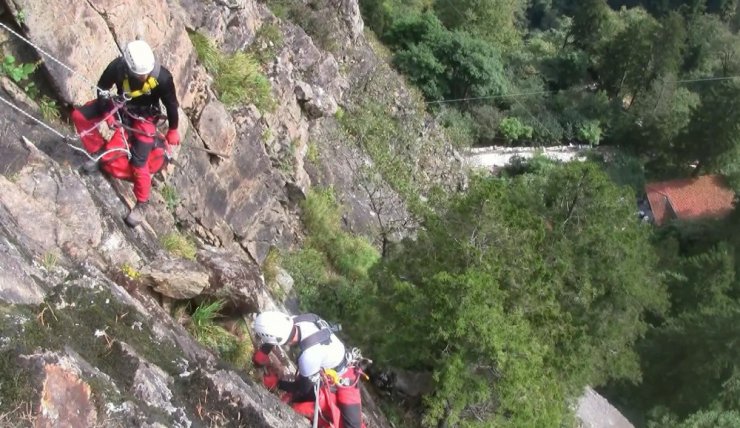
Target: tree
[
  {"x": 592, "y": 22},
  {"x": 495, "y": 21},
  {"x": 626, "y": 64},
  {"x": 537, "y": 282},
  {"x": 445, "y": 64},
  {"x": 713, "y": 136},
  {"x": 712, "y": 49}
]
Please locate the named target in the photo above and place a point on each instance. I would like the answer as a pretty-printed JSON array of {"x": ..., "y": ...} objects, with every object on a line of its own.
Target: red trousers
[{"x": 147, "y": 158}]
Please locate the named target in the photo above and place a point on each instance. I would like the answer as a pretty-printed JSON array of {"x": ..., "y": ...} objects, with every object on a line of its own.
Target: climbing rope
[
  {"x": 67, "y": 138},
  {"x": 48, "y": 55}
]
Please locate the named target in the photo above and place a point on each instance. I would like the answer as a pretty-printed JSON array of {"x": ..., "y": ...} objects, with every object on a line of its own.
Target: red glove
[
  {"x": 260, "y": 359},
  {"x": 270, "y": 380},
  {"x": 173, "y": 137}
]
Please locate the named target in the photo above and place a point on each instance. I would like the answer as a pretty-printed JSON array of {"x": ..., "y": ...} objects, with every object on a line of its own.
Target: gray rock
[
  {"x": 253, "y": 406},
  {"x": 594, "y": 411},
  {"x": 175, "y": 278},
  {"x": 217, "y": 128},
  {"x": 16, "y": 283},
  {"x": 234, "y": 278}
]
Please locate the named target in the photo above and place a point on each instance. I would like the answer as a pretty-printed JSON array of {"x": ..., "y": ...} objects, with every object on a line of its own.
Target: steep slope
[{"x": 86, "y": 337}]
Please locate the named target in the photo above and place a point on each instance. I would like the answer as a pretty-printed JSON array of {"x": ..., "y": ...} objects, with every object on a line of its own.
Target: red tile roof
[{"x": 692, "y": 198}]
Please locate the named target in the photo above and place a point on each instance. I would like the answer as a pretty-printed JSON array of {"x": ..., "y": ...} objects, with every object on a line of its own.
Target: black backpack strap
[
  {"x": 306, "y": 318},
  {"x": 322, "y": 337}
]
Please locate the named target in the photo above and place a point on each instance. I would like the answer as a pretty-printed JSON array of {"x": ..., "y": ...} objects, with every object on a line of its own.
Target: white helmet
[
  {"x": 139, "y": 57},
  {"x": 273, "y": 327}
]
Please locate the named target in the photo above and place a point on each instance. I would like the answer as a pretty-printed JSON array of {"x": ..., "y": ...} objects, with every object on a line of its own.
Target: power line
[{"x": 552, "y": 91}]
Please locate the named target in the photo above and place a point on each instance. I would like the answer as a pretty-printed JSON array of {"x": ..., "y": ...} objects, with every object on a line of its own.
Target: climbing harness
[{"x": 146, "y": 89}]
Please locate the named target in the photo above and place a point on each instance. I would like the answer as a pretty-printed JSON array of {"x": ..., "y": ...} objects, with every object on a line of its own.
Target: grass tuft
[
  {"x": 205, "y": 330},
  {"x": 50, "y": 260},
  {"x": 208, "y": 53},
  {"x": 170, "y": 196},
  {"x": 49, "y": 109},
  {"x": 237, "y": 77},
  {"x": 177, "y": 244}
]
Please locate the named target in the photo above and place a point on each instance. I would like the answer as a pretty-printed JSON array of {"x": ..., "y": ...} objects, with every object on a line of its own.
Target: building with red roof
[{"x": 707, "y": 196}]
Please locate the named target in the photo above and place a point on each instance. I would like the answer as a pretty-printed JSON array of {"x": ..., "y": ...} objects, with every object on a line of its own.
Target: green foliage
[
  {"x": 49, "y": 260},
  {"x": 313, "y": 153},
  {"x": 445, "y": 64},
  {"x": 20, "y": 16},
  {"x": 512, "y": 129},
  {"x": 495, "y": 21},
  {"x": 590, "y": 132},
  {"x": 551, "y": 275},
  {"x": 459, "y": 127},
  {"x": 331, "y": 270},
  {"x": 310, "y": 270},
  {"x": 16, "y": 71},
  {"x": 568, "y": 248},
  {"x": 238, "y": 77},
  {"x": 271, "y": 269},
  {"x": 170, "y": 196},
  {"x": 713, "y": 135},
  {"x": 271, "y": 265},
  {"x": 350, "y": 256},
  {"x": 49, "y": 109},
  {"x": 267, "y": 42},
  {"x": 205, "y": 330},
  {"x": 178, "y": 245},
  {"x": 208, "y": 53}
]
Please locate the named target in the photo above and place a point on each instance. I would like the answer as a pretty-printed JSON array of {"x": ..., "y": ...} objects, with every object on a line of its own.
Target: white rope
[
  {"x": 66, "y": 138},
  {"x": 28, "y": 115},
  {"x": 48, "y": 55}
]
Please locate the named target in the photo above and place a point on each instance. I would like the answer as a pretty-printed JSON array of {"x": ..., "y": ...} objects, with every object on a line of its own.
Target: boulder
[
  {"x": 216, "y": 127},
  {"x": 175, "y": 278},
  {"x": 235, "y": 279}
]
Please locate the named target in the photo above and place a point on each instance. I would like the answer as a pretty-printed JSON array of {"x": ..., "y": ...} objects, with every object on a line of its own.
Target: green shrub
[
  {"x": 351, "y": 256},
  {"x": 15, "y": 71},
  {"x": 313, "y": 155},
  {"x": 179, "y": 245},
  {"x": 49, "y": 109},
  {"x": 459, "y": 127},
  {"x": 267, "y": 42},
  {"x": 513, "y": 129},
  {"x": 590, "y": 132}
]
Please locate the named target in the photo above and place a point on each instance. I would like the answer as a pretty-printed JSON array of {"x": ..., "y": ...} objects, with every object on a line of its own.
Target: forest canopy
[{"x": 539, "y": 280}]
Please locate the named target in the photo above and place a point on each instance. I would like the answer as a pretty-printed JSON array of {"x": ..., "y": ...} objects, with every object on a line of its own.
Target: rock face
[{"x": 82, "y": 328}]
